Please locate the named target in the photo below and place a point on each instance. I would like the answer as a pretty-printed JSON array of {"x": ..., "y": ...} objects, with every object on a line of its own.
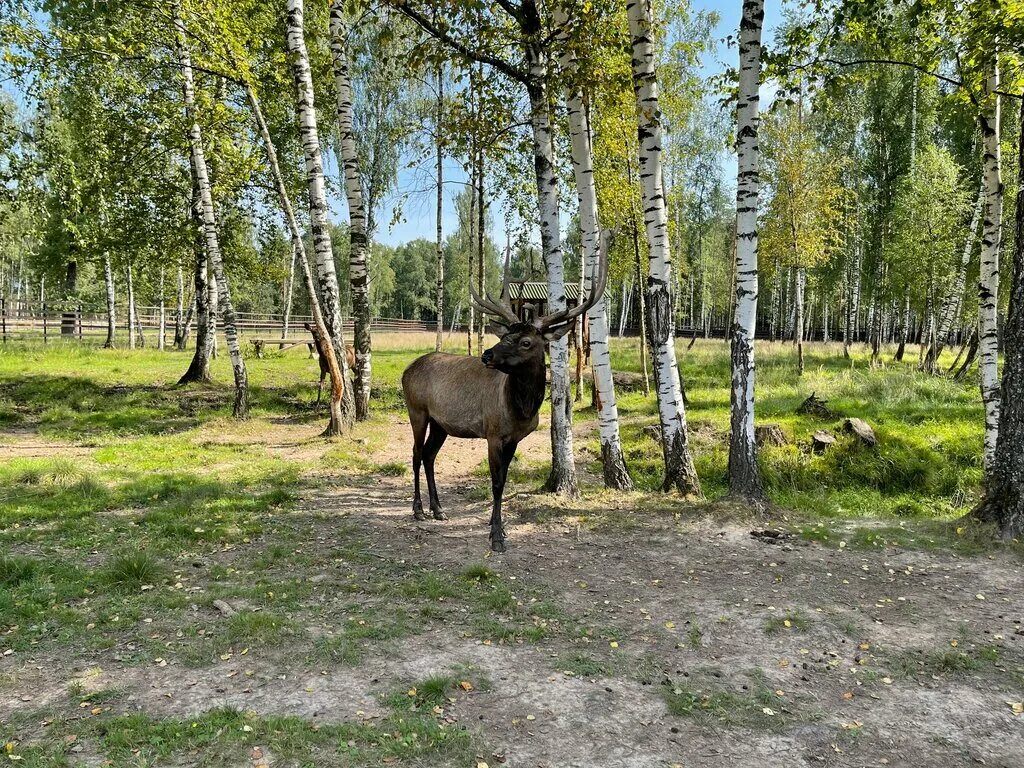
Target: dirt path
[{"x": 668, "y": 642}]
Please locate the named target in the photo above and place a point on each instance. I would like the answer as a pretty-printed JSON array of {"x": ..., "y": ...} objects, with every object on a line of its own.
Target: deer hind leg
[
  {"x": 499, "y": 456},
  {"x": 419, "y": 431},
  {"x": 435, "y": 439}
]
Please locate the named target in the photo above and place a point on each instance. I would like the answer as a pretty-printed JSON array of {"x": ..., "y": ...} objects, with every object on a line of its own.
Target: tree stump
[
  {"x": 861, "y": 430},
  {"x": 815, "y": 406},
  {"x": 821, "y": 441},
  {"x": 769, "y": 434}
]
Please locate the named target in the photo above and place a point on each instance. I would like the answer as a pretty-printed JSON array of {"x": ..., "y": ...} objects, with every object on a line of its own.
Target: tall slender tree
[
  {"x": 680, "y": 472},
  {"x": 359, "y": 245},
  {"x": 612, "y": 457},
  {"x": 988, "y": 280},
  {"x": 1003, "y": 503},
  {"x": 744, "y": 476},
  {"x": 210, "y": 228},
  {"x": 327, "y": 277}
]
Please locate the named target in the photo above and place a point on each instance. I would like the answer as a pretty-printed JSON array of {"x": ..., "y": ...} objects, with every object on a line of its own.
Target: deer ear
[
  {"x": 497, "y": 328},
  {"x": 555, "y": 332}
]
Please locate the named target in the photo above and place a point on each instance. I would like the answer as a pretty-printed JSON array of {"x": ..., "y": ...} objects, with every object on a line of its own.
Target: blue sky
[{"x": 419, "y": 213}]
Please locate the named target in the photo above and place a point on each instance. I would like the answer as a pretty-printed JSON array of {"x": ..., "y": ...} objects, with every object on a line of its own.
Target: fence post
[
  {"x": 79, "y": 322},
  {"x": 45, "y": 329}
]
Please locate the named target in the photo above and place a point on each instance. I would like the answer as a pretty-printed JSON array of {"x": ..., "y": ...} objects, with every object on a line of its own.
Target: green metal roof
[{"x": 536, "y": 291}]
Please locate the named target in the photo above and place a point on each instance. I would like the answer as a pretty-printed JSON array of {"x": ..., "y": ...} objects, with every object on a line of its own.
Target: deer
[
  {"x": 495, "y": 397},
  {"x": 350, "y": 362}
]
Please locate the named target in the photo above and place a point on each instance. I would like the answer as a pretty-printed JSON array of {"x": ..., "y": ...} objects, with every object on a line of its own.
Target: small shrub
[
  {"x": 133, "y": 569},
  {"x": 478, "y": 572},
  {"x": 15, "y": 570}
]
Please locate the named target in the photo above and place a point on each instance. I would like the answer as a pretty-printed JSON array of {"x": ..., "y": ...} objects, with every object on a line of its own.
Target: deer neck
[{"x": 525, "y": 391}]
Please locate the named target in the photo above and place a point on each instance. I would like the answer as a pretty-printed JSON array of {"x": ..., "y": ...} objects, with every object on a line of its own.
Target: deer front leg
[{"x": 499, "y": 456}]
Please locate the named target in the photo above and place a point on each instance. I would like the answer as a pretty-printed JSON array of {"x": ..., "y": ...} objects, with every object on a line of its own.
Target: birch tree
[
  {"x": 358, "y": 240},
  {"x": 612, "y": 457},
  {"x": 744, "y": 477},
  {"x": 199, "y": 169},
  {"x": 1003, "y": 503},
  {"x": 327, "y": 278},
  {"x": 951, "y": 301},
  {"x": 679, "y": 469},
  {"x": 338, "y": 422},
  {"x": 988, "y": 280},
  {"x": 531, "y": 43}
]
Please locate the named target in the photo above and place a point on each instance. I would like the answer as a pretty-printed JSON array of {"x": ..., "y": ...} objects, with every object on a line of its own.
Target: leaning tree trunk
[
  {"x": 562, "y": 479},
  {"x": 108, "y": 280},
  {"x": 241, "y": 406},
  {"x": 679, "y": 469},
  {"x": 988, "y": 280},
  {"x": 1004, "y": 479},
  {"x": 612, "y": 457},
  {"x": 744, "y": 477},
  {"x": 951, "y": 302},
  {"x": 321, "y": 334},
  {"x": 327, "y": 278},
  {"x": 359, "y": 245},
  {"x": 439, "y": 244}
]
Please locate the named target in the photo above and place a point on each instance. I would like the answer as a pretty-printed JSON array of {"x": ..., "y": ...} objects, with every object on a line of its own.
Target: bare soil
[{"x": 782, "y": 652}]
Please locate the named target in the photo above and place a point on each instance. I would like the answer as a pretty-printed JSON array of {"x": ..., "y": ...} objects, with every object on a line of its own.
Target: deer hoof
[
  {"x": 418, "y": 514},
  {"x": 440, "y": 515}
]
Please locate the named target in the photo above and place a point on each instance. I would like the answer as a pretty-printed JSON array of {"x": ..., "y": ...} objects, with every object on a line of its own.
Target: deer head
[{"x": 521, "y": 342}]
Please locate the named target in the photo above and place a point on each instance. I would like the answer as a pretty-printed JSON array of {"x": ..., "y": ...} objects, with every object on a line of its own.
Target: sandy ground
[{"x": 668, "y": 605}]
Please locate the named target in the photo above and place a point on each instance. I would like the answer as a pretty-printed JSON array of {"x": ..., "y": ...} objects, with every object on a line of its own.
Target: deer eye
[{"x": 525, "y": 343}]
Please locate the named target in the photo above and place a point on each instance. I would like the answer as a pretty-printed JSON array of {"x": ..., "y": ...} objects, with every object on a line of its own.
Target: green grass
[
  {"x": 133, "y": 569},
  {"x": 790, "y": 621},
  {"x": 750, "y": 704},
  {"x": 153, "y": 503}
]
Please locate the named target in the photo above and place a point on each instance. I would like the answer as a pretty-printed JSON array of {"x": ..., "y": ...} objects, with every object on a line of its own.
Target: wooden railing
[{"x": 51, "y": 321}]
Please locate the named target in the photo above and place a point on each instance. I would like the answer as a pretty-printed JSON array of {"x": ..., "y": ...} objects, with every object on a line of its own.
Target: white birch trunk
[
  {"x": 679, "y": 469},
  {"x": 612, "y": 457},
  {"x": 179, "y": 313},
  {"x": 798, "y": 324},
  {"x": 439, "y": 294},
  {"x": 988, "y": 281},
  {"x": 108, "y": 280},
  {"x": 341, "y": 407},
  {"x": 562, "y": 479},
  {"x": 953, "y": 299},
  {"x": 744, "y": 477},
  {"x": 327, "y": 278},
  {"x": 358, "y": 239},
  {"x": 130, "y": 286},
  {"x": 289, "y": 290},
  {"x": 241, "y": 405},
  {"x": 162, "y": 331}
]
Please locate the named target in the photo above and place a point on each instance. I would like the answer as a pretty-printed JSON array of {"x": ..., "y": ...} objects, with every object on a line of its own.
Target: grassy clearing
[{"x": 162, "y": 505}]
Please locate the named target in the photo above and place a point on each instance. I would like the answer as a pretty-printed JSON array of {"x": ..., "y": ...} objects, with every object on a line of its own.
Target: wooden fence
[{"x": 52, "y": 321}]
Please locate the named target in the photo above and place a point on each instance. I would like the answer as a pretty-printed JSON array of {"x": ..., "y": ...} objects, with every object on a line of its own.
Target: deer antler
[
  {"x": 501, "y": 307},
  {"x": 598, "y": 282}
]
